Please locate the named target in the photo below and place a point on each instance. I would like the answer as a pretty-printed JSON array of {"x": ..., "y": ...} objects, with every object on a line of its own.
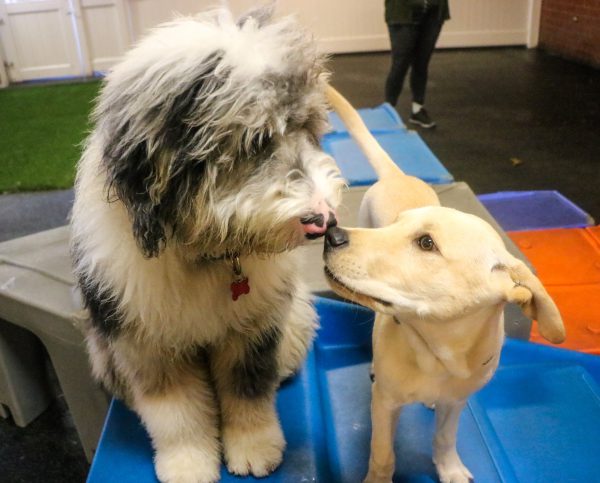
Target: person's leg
[
  {"x": 428, "y": 33},
  {"x": 403, "y": 39}
]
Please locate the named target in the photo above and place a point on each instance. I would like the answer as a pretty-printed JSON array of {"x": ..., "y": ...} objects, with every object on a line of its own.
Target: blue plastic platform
[
  {"x": 406, "y": 148},
  {"x": 538, "y": 420},
  {"x": 534, "y": 210},
  {"x": 377, "y": 119}
]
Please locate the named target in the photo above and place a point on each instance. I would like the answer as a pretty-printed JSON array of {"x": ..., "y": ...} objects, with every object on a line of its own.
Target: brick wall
[{"x": 571, "y": 28}]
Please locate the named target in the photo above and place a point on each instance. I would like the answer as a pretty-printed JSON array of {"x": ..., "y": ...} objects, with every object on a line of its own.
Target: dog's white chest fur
[{"x": 421, "y": 361}]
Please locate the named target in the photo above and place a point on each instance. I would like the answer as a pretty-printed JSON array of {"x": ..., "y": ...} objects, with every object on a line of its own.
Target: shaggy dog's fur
[{"x": 205, "y": 154}]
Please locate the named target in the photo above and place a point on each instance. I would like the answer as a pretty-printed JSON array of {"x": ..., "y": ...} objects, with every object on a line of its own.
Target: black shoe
[{"x": 422, "y": 119}]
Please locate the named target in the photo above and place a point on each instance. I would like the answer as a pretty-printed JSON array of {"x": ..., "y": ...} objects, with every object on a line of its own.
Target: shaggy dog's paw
[
  {"x": 186, "y": 465},
  {"x": 452, "y": 470},
  {"x": 257, "y": 451}
]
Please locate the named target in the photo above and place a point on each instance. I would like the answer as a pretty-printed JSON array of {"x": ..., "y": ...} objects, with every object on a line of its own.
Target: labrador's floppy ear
[{"x": 524, "y": 288}]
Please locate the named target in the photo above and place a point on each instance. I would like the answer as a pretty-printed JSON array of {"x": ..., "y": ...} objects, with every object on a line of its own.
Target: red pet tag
[{"x": 240, "y": 285}]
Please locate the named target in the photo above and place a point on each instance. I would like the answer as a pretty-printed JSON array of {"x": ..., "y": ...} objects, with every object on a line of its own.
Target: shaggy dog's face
[{"x": 211, "y": 133}]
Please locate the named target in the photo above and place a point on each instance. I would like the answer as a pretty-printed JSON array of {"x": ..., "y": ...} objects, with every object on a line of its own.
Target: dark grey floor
[
  {"x": 25, "y": 213},
  {"x": 491, "y": 105}
]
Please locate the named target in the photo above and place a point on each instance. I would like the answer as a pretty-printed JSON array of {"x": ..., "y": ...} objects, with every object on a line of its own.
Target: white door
[
  {"x": 39, "y": 39},
  {"x": 104, "y": 33}
]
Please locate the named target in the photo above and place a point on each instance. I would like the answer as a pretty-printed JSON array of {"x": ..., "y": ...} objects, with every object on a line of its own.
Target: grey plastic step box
[
  {"x": 453, "y": 195},
  {"x": 24, "y": 389},
  {"x": 37, "y": 294}
]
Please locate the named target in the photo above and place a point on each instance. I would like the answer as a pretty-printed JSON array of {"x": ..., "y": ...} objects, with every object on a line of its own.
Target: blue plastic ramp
[
  {"x": 538, "y": 420},
  {"x": 406, "y": 148},
  {"x": 380, "y": 118},
  {"x": 124, "y": 454}
]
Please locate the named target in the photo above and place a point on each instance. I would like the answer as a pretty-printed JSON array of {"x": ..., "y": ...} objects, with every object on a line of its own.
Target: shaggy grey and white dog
[{"x": 202, "y": 175}]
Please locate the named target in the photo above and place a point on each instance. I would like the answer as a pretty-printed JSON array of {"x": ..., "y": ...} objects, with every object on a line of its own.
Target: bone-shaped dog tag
[{"x": 240, "y": 285}]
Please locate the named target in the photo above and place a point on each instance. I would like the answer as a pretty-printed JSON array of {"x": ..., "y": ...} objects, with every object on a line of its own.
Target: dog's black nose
[{"x": 335, "y": 237}]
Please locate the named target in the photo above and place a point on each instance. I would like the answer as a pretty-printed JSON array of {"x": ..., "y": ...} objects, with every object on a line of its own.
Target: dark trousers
[{"x": 412, "y": 46}]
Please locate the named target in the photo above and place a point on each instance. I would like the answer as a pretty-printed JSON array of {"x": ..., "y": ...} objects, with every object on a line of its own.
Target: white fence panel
[
  {"x": 54, "y": 38},
  {"x": 479, "y": 23},
  {"x": 104, "y": 24},
  {"x": 38, "y": 39}
]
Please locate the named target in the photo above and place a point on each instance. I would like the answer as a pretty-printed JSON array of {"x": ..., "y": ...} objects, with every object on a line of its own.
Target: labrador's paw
[
  {"x": 184, "y": 464},
  {"x": 258, "y": 451}
]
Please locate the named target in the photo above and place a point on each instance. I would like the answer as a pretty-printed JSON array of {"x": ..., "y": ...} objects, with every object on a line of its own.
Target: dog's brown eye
[{"x": 426, "y": 243}]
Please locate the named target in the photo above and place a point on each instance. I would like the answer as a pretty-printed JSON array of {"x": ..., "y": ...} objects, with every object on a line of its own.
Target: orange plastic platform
[{"x": 567, "y": 261}]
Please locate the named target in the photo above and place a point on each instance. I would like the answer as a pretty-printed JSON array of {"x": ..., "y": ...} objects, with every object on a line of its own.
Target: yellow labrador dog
[{"x": 438, "y": 280}]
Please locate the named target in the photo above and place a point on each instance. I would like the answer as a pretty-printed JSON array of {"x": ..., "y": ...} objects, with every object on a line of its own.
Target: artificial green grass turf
[{"x": 41, "y": 128}]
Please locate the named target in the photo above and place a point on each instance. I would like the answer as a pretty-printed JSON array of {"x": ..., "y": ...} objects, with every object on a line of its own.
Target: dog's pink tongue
[{"x": 316, "y": 224}]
